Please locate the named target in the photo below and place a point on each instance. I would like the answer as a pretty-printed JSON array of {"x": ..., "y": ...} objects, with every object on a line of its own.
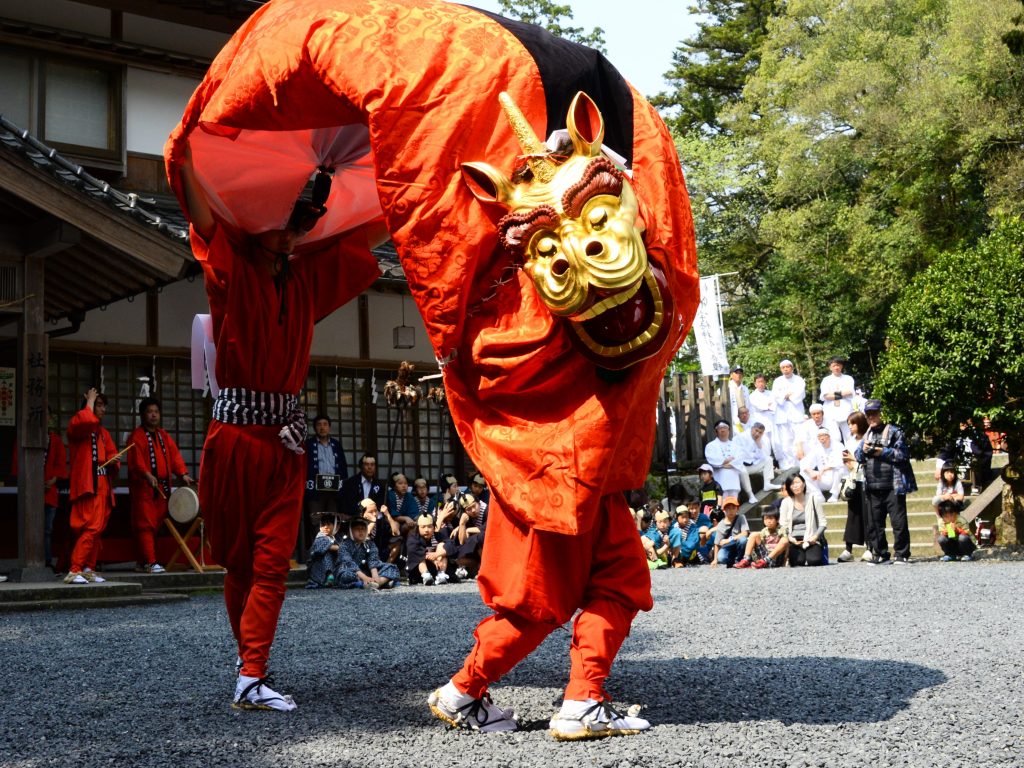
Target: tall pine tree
[{"x": 710, "y": 69}]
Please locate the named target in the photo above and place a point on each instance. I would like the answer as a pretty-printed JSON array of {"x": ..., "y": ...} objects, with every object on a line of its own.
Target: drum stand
[{"x": 197, "y": 566}]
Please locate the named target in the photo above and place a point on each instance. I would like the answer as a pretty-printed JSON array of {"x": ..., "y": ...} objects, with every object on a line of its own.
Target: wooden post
[
  {"x": 31, "y": 418},
  {"x": 708, "y": 422},
  {"x": 680, "y": 420},
  {"x": 694, "y": 430}
]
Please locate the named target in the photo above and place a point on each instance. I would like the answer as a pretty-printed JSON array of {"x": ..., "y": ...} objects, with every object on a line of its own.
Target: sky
[{"x": 640, "y": 35}]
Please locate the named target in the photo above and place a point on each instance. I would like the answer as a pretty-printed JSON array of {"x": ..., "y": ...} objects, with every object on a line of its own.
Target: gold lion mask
[{"x": 573, "y": 219}]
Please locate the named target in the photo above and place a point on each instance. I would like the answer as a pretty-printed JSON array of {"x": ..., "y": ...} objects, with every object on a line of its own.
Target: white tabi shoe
[
  {"x": 460, "y": 710},
  {"x": 93, "y": 577},
  {"x": 256, "y": 693},
  {"x": 442, "y": 578},
  {"x": 579, "y": 720}
]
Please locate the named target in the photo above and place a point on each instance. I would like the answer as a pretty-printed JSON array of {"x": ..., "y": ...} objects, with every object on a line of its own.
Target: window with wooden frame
[{"x": 74, "y": 105}]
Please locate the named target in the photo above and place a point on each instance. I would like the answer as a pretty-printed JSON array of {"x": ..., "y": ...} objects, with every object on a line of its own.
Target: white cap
[
  {"x": 816, "y": 407},
  {"x": 787, "y": 361},
  {"x": 824, "y": 431}
]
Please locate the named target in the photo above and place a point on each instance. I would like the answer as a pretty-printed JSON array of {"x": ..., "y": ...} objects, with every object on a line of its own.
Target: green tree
[
  {"x": 956, "y": 348},
  {"x": 555, "y": 19},
  {"x": 710, "y": 69},
  {"x": 882, "y": 133}
]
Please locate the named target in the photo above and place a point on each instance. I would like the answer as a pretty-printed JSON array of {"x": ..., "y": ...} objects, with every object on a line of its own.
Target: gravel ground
[{"x": 843, "y": 665}]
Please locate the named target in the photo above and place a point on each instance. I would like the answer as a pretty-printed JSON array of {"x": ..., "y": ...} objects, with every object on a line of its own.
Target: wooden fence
[{"x": 693, "y": 403}]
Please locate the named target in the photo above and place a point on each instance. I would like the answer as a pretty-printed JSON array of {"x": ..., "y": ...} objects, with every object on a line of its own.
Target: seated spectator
[
  {"x": 823, "y": 465},
  {"x": 730, "y": 535},
  {"x": 690, "y": 521},
  {"x": 954, "y": 536},
  {"x": 949, "y": 489},
  {"x": 742, "y": 423},
  {"x": 422, "y": 500},
  {"x": 805, "y": 438},
  {"x": 448, "y": 490},
  {"x": 324, "y": 555},
  {"x": 725, "y": 456},
  {"x": 401, "y": 503},
  {"x": 427, "y": 554},
  {"x": 803, "y": 523},
  {"x": 360, "y": 565},
  {"x": 710, "y": 493},
  {"x": 478, "y": 487},
  {"x": 766, "y": 548},
  {"x": 661, "y": 542},
  {"x": 972, "y": 448},
  {"x": 675, "y": 496},
  {"x": 756, "y": 449},
  {"x": 638, "y": 507},
  {"x": 385, "y": 531},
  {"x": 469, "y": 534}
]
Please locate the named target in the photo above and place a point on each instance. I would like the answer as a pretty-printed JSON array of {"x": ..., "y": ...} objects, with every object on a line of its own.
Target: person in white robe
[
  {"x": 836, "y": 394},
  {"x": 726, "y": 460},
  {"x": 823, "y": 465},
  {"x": 756, "y": 448},
  {"x": 789, "y": 391}
]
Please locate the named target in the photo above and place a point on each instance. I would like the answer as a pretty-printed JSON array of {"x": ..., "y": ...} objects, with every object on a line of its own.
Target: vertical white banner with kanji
[{"x": 707, "y": 329}]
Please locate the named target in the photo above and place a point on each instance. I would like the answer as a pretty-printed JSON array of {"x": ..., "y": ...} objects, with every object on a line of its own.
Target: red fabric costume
[
  {"x": 557, "y": 438},
  {"x": 149, "y": 507},
  {"x": 55, "y": 468},
  {"x": 250, "y": 486},
  {"x": 92, "y": 494}
]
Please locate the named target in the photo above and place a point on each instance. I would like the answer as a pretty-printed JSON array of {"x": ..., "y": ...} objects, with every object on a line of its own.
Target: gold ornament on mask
[{"x": 573, "y": 219}]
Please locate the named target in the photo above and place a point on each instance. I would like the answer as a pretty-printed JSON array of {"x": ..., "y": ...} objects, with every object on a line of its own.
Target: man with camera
[{"x": 883, "y": 452}]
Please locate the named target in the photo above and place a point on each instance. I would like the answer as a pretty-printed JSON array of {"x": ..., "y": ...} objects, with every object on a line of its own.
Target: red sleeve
[
  {"x": 83, "y": 424},
  {"x": 138, "y": 457},
  {"x": 216, "y": 256},
  {"x": 57, "y": 459},
  {"x": 108, "y": 443}
]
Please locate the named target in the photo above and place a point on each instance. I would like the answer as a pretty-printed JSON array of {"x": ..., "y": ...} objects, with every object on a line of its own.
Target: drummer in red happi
[{"x": 151, "y": 463}]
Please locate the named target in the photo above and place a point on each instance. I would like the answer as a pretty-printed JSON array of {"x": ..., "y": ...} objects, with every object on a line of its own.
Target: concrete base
[{"x": 32, "y": 574}]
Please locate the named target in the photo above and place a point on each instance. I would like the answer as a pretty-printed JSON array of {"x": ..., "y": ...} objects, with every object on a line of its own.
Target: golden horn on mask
[{"x": 534, "y": 149}]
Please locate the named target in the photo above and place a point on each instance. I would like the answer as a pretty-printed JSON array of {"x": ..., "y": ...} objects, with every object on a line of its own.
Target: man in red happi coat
[
  {"x": 151, "y": 462},
  {"x": 92, "y": 493}
]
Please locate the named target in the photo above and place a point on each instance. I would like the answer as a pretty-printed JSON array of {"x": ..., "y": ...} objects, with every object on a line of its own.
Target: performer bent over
[
  {"x": 92, "y": 493},
  {"x": 151, "y": 462},
  {"x": 263, "y": 303}
]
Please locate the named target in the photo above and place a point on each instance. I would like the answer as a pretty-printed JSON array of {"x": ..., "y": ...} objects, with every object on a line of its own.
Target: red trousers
[
  {"x": 89, "y": 516},
  {"x": 250, "y": 494},
  {"x": 535, "y": 581},
  {"x": 147, "y": 515}
]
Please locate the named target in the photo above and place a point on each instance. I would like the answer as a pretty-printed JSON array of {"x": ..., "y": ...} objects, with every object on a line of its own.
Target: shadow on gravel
[{"x": 802, "y": 689}]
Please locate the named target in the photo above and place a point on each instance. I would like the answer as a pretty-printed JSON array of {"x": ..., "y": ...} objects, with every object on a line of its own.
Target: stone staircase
[{"x": 34, "y": 596}]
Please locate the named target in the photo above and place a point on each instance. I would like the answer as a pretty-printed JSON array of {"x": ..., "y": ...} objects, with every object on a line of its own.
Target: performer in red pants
[
  {"x": 92, "y": 493},
  {"x": 555, "y": 285},
  {"x": 152, "y": 460},
  {"x": 265, "y": 295}
]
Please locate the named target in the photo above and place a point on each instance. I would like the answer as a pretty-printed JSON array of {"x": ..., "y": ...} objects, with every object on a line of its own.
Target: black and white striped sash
[{"x": 238, "y": 405}]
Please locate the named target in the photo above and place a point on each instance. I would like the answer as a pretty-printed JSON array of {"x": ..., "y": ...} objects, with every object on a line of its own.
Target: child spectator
[
  {"x": 696, "y": 546},
  {"x": 767, "y": 547},
  {"x": 384, "y": 530},
  {"x": 324, "y": 554},
  {"x": 423, "y": 501},
  {"x": 949, "y": 489},
  {"x": 710, "y": 493},
  {"x": 731, "y": 534},
  {"x": 401, "y": 503},
  {"x": 661, "y": 542},
  {"x": 428, "y": 555},
  {"x": 469, "y": 535},
  {"x": 954, "y": 536},
  {"x": 360, "y": 565}
]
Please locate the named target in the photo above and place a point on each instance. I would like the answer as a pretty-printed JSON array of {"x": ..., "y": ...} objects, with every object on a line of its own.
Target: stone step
[
  {"x": 58, "y": 590},
  {"x": 102, "y": 601},
  {"x": 190, "y": 582}
]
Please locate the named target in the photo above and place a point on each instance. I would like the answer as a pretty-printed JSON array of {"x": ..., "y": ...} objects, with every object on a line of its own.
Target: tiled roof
[{"x": 49, "y": 160}]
